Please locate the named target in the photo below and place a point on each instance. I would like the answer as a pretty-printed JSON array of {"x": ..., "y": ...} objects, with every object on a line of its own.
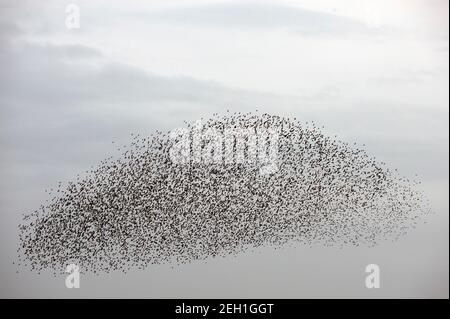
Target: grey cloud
[
  {"x": 265, "y": 16},
  {"x": 75, "y": 51},
  {"x": 412, "y": 76},
  {"x": 62, "y": 75},
  {"x": 9, "y": 29}
]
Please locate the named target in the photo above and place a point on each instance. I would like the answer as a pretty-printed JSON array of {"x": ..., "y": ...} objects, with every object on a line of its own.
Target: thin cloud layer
[{"x": 260, "y": 16}]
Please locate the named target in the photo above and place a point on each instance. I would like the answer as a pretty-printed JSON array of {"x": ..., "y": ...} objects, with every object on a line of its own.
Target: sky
[{"x": 372, "y": 72}]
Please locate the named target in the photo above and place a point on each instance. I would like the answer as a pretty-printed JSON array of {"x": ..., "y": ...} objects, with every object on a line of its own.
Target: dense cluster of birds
[{"x": 143, "y": 208}]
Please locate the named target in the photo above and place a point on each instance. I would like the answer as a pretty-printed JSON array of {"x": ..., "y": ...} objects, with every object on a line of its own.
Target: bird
[{"x": 143, "y": 209}]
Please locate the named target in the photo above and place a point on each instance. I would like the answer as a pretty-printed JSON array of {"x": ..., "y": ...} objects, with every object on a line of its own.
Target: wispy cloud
[{"x": 259, "y": 16}]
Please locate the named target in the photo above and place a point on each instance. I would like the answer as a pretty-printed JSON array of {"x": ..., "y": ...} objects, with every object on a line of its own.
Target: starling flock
[{"x": 144, "y": 208}]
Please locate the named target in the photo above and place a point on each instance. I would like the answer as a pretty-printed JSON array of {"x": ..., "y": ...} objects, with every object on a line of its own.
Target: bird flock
[{"x": 144, "y": 208}]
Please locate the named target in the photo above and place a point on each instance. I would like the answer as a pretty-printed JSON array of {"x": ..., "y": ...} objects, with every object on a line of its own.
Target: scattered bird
[{"x": 143, "y": 209}]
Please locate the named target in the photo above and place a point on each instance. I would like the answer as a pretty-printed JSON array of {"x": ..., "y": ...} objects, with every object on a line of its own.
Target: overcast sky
[{"x": 373, "y": 72}]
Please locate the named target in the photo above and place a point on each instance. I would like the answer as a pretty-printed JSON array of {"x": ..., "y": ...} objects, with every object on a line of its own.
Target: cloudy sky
[{"x": 373, "y": 72}]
